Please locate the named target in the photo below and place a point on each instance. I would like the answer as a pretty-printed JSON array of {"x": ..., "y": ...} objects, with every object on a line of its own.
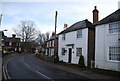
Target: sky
[{"x": 43, "y": 12}]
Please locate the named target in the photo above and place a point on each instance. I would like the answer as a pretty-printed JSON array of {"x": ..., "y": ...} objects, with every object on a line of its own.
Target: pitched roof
[
  {"x": 53, "y": 37},
  {"x": 77, "y": 26},
  {"x": 8, "y": 39},
  {"x": 115, "y": 16}
]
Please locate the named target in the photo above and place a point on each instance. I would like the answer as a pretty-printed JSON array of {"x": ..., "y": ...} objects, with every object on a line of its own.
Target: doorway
[{"x": 70, "y": 55}]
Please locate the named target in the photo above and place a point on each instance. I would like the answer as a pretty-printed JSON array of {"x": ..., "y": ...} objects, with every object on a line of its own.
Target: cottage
[
  {"x": 52, "y": 45},
  {"x": 76, "y": 40},
  {"x": 107, "y": 42}
]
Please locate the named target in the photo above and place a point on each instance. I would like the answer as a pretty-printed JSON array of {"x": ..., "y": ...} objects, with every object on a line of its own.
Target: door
[{"x": 70, "y": 55}]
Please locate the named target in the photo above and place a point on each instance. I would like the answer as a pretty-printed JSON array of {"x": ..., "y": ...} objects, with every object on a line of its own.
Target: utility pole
[
  {"x": 0, "y": 19},
  {"x": 56, "y": 13}
]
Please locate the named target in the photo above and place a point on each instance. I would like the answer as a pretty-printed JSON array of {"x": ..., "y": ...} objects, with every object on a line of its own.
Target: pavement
[{"x": 82, "y": 72}]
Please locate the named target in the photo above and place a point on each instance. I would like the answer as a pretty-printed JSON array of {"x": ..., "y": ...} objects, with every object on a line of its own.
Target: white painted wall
[
  {"x": 102, "y": 42},
  {"x": 71, "y": 38}
]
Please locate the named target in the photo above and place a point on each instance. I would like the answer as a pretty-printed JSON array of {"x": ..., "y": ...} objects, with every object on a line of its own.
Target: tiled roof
[
  {"x": 77, "y": 26},
  {"x": 8, "y": 39},
  {"x": 53, "y": 37},
  {"x": 115, "y": 16}
]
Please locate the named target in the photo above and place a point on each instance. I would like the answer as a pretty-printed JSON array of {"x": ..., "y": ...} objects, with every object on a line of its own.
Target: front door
[{"x": 70, "y": 55}]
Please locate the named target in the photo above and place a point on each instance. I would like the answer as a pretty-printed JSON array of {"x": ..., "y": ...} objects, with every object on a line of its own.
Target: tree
[
  {"x": 41, "y": 39},
  {"x": 26, "y": 31}
]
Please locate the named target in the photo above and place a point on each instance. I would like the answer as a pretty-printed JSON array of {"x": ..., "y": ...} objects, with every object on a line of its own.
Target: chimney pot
[{"x": 13, "y": 35}]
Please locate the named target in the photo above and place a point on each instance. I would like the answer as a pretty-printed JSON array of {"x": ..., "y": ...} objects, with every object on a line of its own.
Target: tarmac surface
[
  {"x": 82, "y": 72},
  {"x": 74, "y": 70}
]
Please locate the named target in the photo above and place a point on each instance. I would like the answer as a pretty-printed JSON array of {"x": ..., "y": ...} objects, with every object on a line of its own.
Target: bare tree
[
  {"x": 26, "y": 31},
  {"x": 41, "y": 37}
]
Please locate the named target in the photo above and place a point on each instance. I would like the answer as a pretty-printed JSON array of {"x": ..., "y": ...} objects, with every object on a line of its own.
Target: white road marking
[
  {"x": 27, "y": 65},
  {"x": 38, "y": 72},
  {"x": 44, "y": 75},
  {"x": 5, "y": 71}
]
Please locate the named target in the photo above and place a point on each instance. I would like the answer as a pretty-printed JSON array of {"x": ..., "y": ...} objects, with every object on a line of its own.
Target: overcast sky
[{"x": 43, "y": 12}]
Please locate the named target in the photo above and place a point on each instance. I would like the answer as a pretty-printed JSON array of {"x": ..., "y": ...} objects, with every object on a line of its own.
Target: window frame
[
  {"x": 79, "y": 33},
  {"x": 63, "y": 36},
  {"x": 114, "y": 27},
  {"x": 78, "y": 53},
  {"x": 63, "y": 51},
  {"x": 114, "y": 52}
]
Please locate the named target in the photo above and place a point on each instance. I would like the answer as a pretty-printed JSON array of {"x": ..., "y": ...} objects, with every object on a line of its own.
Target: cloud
[{"x": 43, "y": 12}]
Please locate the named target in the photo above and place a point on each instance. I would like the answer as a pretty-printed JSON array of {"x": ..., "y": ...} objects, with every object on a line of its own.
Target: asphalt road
[{"x": 28, "y": 67}]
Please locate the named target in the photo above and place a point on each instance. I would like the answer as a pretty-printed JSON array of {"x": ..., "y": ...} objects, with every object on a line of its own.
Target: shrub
[{"x": 81, "y": 61}]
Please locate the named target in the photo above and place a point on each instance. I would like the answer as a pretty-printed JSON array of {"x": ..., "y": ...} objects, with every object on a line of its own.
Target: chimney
[
  {"x": 53, "y": 33},
  {"x": 13, "y": 35},
  {"x": 95, "y": 15},
  {"x": 65, "y": 26}
]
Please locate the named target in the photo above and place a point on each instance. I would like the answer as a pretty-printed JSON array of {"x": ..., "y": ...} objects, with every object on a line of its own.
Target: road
[{"x": 29, "y": 67}]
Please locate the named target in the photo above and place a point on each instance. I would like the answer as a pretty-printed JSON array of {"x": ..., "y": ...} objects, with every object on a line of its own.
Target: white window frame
[
  {"x": 63, "y": 36},
  {"x": 114, "y": 27},
  {"x": 62, "y": 51},
  {"x": 52, "y": 43},
  {"x": 116, "y": 51},
  {"x": 80, "y": 52},
  {"x": 47, "y": 44},
  {"x": 79, "y": 33}
]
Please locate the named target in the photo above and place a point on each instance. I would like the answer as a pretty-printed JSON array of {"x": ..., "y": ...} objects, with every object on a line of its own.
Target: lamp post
[{"x": 1, "y": 37}]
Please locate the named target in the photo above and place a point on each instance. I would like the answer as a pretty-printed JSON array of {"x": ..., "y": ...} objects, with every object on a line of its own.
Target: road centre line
[
  {"x": 27, "y": 65},
  {"x": 38, "y": 72},
  {"x": 44, "y": 75}
]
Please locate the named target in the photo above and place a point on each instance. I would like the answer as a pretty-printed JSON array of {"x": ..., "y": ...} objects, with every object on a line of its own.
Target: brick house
[
  {"x": 11, "y": 44},
  {"x": 52, "y": 45}
]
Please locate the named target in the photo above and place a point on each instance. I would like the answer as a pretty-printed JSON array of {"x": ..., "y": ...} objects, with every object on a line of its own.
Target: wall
[
  {"x": 102, "y": 42},
  {"x": 78, "y": 42}
]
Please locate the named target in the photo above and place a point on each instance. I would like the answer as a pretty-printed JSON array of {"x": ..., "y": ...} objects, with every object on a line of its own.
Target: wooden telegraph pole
[
  {"x": 0, "y": 19},
  {"x": 56, "y": 13}
]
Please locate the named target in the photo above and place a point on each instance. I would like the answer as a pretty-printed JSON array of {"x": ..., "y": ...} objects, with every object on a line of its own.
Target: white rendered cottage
[
  {"x": 75, "y": 40},
  {"x": 107, "y": 42}
]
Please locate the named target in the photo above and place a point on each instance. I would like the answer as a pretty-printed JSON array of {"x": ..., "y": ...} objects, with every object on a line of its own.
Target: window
[
  {"x": 79, "y": 34},
  {"x": 10, "y": 43},
  {"x": 47, "y": 44},
  {"x": 78, "y": 51},
  {"x": 63, "y": 51},
  {"x": 53, "y": 43},
  {"x": 114, "y": 53},
  {"x": 63, "y": 37},
  {"x": 114, "y": 27}
]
